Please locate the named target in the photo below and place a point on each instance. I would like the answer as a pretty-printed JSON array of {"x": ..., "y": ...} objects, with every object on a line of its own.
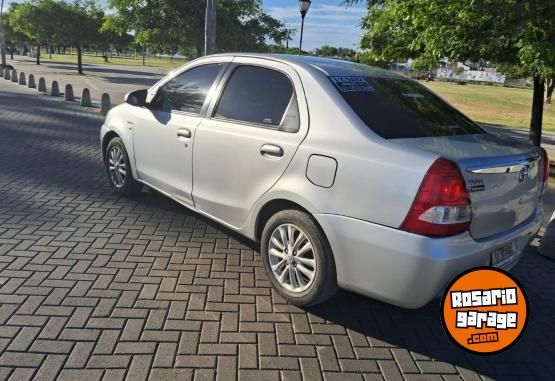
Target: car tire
[
  {"x": 288, "y": 266},
  {"x": 118, "y": 169}
]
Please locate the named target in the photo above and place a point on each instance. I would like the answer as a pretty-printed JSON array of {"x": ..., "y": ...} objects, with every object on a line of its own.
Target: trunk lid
[{"x": 502, "y": 176}]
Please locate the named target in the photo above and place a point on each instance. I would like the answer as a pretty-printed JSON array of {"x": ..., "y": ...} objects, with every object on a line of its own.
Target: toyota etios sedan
[{"x": 349, "y": 176}]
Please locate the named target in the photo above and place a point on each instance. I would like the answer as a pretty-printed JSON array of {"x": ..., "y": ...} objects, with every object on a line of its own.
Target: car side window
[
  {"x": 261, "y": 96},
  {"x": 187, "y": 92}
]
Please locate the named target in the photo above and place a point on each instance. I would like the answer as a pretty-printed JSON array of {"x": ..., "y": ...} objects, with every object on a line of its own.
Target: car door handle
[
  {"x": 184, "y": 134},
  {"x": 271, "y": 151}
]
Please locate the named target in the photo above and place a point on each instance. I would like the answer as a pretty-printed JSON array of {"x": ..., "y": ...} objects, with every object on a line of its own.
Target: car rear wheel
[
  {"x": 297, "y": 258},
  {"x": 118, "y": 168}
]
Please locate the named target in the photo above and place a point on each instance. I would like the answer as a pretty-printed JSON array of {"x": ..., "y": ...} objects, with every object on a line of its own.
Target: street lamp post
[
  {"x": 210, "y": 27},
  {"x": 304, "y": 6},
  {"x": 2, "y": 43}
]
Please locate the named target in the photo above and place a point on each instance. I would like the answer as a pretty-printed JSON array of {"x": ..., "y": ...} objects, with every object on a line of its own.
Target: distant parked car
[{"x": 347, "y": 175}]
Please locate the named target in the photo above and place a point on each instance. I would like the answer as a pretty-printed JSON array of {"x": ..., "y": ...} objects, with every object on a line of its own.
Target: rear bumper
[{"x": 406, "y": 269}]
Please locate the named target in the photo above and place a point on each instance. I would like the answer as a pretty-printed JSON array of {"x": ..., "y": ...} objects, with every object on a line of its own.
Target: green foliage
[
  {"x": 516, "y": 33},
  {"x": 328, "y": 51},
  {"x": 56, "y": 22},
  {"x": 79, "y": 24},
  {"x": 34, "y": 20},
  {"x": 280, "y": 49},
  {"x": 332, "y": 51},
  {"x": 12, "y": 36},
  {"x": 365, "y": 57},
  {"x": 178, "y": 25}
]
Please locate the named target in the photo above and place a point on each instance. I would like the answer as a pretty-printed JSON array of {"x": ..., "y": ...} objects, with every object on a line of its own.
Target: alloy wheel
[
  {"x": 117, "y": 167},
  {"x": 291, "y": 257}
]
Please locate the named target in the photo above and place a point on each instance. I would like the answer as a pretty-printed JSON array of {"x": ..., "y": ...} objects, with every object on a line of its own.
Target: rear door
[{"x": 249, "y": 138}]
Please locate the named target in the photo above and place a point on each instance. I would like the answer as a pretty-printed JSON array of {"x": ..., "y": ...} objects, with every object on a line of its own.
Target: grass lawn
[
  {"x": 502, "y": 106},
  {"x": 130, "y": 61}
]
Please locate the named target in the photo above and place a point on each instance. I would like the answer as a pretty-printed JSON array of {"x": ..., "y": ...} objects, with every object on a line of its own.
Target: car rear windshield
[{"x": 400, "y": 108}]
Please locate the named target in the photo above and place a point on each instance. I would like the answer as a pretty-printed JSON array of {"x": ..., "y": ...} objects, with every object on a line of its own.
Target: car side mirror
[{"x": 136, "y": 98}]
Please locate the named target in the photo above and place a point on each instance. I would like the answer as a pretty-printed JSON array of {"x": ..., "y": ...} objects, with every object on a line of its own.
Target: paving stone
[
  {"x": 139, "y": 368},
  {"x": 21, "y": 359},
  {"x": 50, "y": 368},
  {"x": 195, "y": 361},
  {"x": 171, "y": 374}
]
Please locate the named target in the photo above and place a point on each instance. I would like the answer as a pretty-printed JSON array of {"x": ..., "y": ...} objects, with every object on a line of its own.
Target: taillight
[
  {"x": 442, "y": 206},
  {"x": 544, "y": 171}
]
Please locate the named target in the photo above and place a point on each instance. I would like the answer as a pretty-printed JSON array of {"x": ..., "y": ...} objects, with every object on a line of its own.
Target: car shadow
[{"x": 420, "y": 331}]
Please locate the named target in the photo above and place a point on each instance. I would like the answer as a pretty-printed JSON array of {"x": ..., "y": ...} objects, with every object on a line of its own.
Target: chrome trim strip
[{"x": 514, "y": 166}]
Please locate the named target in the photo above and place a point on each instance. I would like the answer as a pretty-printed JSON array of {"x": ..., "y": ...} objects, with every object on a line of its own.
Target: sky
[{"x": 327, "y": 22}]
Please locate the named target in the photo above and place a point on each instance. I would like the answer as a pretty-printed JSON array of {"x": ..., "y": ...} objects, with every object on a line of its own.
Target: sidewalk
[
  {"x": 548, "y": 137},
  {"x": 116, "y": 80}
]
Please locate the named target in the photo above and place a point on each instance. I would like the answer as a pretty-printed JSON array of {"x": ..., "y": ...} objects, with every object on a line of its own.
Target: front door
[
  {"x": 164, "y": 132},
  {"x": 247, "y": 141}
]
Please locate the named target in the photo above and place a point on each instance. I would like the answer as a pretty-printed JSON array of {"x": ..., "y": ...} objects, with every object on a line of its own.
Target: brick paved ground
[{"x": 95, "y": 286}]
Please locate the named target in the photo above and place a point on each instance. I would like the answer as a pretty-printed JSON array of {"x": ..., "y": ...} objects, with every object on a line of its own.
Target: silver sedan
[{"x": 348, "y": 176}]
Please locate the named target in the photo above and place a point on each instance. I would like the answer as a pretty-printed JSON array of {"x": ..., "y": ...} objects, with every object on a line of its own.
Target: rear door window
[
  {"x": 400, "y": 108},
  {"x": 260, "y": 96}
]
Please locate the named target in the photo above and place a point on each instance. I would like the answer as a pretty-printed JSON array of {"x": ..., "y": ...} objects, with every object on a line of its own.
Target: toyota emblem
[{"x": 523, "y": 174}]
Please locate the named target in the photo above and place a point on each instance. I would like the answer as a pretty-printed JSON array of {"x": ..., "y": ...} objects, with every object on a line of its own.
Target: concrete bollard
[
  {"x": 86, "y": 98},
  {"x": 42, "y": 85},
  {"x": 22, "y": 80},
  {"x": 14, "y": 76},
  {"x": 68, "y": 93},
  {"x": 6, "y": 74},
  {"x": 31, "y": 83},
  {"x": 105, "y": 104},
  {"x": 55, "y": 89},
  {"x": 547, "y": 245}
]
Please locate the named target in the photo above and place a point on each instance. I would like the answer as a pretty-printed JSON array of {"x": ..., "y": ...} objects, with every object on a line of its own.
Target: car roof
[{"x": 329, "y": 66}]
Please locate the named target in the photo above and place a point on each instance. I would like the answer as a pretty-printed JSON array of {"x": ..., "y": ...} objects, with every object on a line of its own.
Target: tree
[
  {"x": 34, "y": 20},
  {"x": 516, "y": 34},
  {"x": 328, "y": 51},
  {"x": 11, "y": 36},
  {"x": 244, "y": 26},
  {"x": 550, "y": 87},
  {"x": 79, "y": 25},
  {"x": 171, "y": 26},
  {"x": 112, "y": 38}
]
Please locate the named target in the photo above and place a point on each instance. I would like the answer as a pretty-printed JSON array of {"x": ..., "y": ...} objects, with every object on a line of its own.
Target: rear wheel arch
[{"x": 269, "y": 209}]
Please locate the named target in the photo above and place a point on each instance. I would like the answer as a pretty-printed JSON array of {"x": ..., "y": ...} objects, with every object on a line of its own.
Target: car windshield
[{"x": 400, "y": 108}]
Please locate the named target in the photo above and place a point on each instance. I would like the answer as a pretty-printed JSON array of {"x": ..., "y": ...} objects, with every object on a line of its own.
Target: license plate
[{"x": 501, "y": 255}]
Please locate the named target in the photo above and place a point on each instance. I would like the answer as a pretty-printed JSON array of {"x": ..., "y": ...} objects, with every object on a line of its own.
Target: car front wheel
[
  {"x": 118, "y": 169},
  {"x": 297, "y": 258}
]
